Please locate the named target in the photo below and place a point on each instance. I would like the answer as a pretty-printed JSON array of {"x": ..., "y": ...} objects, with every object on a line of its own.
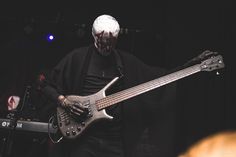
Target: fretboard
[{"x": 145, "y": 87}]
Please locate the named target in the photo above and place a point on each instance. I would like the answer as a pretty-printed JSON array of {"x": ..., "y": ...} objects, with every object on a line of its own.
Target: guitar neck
[{"x": 145, "y": 87}]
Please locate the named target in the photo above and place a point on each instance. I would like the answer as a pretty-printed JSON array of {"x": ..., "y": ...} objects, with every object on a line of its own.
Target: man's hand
[
  {"x": 75, "y": 108},
  {"x": 204, "y": 55}
]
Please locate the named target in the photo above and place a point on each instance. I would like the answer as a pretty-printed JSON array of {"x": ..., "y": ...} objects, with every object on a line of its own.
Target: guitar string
[{"x": 126, "y": 94}]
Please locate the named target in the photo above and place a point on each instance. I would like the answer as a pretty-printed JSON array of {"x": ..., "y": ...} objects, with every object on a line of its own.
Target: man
[{"x": 84, "y": 72}]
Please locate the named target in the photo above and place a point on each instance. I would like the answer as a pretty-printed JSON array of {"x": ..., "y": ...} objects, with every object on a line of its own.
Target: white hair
[{"x": 107, "y": 24}]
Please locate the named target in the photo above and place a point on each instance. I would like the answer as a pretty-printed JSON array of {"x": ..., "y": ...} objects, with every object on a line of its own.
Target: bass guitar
[{"x": 72, "y": 127}]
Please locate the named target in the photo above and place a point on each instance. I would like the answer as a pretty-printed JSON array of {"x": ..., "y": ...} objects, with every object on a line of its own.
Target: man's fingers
[
  {"x": 75, "y": 112},
  {"x": 207, "y": 53},
  {"x": 82, "y": 107},
  {"x": 76, "y": 108}
]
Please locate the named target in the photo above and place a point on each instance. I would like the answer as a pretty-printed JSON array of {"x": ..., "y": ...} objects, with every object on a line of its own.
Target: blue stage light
[{"x": 50, "y": 37}]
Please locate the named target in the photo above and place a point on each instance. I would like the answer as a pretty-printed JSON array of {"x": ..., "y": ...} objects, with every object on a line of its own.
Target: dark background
[{"x": 160, "y": 33}]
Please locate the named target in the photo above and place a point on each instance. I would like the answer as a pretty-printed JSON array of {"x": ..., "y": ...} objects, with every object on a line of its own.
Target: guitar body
[{"x": 71, "y": 126}]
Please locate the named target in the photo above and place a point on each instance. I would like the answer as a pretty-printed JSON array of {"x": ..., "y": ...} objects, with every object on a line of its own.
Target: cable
[{"x": 51, "y": 121}]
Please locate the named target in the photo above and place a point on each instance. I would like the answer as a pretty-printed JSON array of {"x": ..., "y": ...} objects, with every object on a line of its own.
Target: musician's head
[
  {"x": 222, "y": 144},
  {"x": 105, "y": 31}
]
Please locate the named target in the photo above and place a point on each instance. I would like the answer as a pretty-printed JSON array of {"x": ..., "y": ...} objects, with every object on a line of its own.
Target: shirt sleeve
[{"x": 55, "y": 83}]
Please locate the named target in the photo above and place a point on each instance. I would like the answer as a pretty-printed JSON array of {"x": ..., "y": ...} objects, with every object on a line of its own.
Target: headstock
[{"x": 213, "y": 63}]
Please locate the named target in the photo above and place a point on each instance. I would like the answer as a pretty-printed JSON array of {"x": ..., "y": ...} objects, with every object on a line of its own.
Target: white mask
[{"x": 105, "y": 32}]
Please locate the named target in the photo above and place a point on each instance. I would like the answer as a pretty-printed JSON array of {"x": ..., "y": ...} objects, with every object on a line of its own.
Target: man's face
[{"x": 105, "y": 43}]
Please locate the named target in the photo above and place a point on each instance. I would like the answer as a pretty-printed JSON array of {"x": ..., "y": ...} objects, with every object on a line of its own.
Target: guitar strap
[{"x": 119, "y": 64}]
